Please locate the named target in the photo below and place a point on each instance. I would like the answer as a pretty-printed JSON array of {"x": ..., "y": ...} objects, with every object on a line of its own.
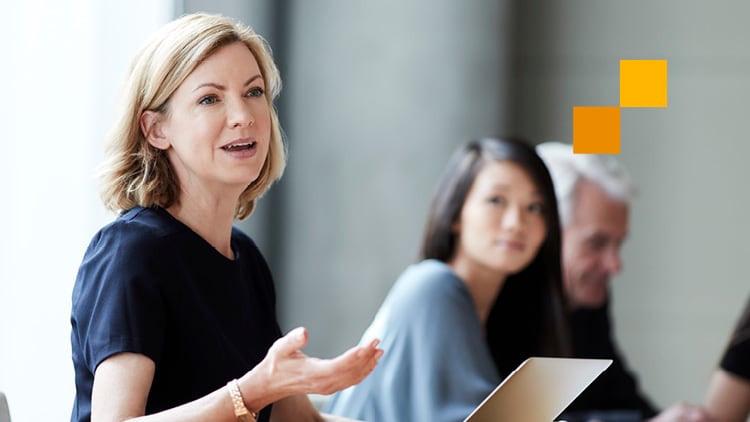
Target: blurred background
[{"x": 376, "y": 95}]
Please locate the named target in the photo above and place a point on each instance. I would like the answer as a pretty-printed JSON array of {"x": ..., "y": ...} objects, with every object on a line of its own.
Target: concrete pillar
[{"x": 377, "y": 95}]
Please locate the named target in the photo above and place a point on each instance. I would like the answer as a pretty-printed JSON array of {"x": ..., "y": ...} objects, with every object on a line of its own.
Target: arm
[
  {"x": 128, "y": 376},
  {"x": 124, "y": 375},
  {"x": 295, "y": 408},
  {"x": 683, "y": 412},
  {"x": 728, "y": 397},
  {"x": 449, "y": 364},
  {"x": 122, "y": 383}
]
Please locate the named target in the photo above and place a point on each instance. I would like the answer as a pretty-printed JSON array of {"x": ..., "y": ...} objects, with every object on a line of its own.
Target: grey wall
[
  {"x": 377, "y": 97},
  {"x": 684, "y": 281},
  {"x": 377, "y": 94}
]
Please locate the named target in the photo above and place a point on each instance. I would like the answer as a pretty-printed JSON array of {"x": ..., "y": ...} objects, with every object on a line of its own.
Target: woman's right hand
[
  {"x": 286, "y": 371},
  {"x": 122, "y": 383}
]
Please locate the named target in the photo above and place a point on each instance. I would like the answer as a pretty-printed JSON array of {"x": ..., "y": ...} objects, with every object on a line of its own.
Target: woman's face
[
  {"x": 217, "y": 128},
  {"x": 501, "y": 225}
]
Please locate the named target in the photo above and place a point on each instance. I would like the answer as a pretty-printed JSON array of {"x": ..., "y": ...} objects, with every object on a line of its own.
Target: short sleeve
[
  {"x": 736, "y": 358},
  {"x": 117, "y": 304}
]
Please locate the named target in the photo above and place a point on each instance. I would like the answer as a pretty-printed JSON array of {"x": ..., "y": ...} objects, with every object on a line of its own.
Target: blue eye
[
  {"x": 255, "y": 92},
  {"x": 208, "y": 100}
]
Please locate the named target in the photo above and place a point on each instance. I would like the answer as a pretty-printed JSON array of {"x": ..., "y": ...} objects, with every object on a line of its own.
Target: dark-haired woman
[{"x": 485, "y": 295}]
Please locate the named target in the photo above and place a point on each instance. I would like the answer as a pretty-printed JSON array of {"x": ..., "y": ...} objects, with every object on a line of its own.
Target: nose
[
  {"x": 239, "y": 114},
  {"x": 611, "y": 259},
  {"x": 513, "y": 218}
]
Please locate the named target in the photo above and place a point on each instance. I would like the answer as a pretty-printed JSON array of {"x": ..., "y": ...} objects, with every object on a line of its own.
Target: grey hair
[{"x": 567, "y": 168}]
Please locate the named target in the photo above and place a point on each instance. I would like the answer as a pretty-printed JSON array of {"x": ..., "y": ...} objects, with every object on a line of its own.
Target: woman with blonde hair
[{"x": 173, "y": 313}]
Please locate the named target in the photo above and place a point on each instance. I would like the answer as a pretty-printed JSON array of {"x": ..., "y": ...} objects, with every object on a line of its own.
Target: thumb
[{"x": 293, "y": 341}]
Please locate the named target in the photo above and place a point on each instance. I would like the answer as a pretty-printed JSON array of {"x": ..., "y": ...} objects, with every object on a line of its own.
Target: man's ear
[{"x": 151, "y": 126}]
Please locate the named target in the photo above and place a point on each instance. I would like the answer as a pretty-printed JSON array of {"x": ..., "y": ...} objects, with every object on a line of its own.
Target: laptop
[{"x": 538, "y": 390}]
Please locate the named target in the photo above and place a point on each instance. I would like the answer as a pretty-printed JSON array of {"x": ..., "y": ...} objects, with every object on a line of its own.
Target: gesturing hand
[{"x": 289, "y": 371}]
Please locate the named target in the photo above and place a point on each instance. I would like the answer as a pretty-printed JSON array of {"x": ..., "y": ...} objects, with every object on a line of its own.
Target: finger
[
  {"x": 368, "y": 365},
  {"x": 369, "y": 349},
  {"x": 291, "y": 343},
  {"x": 352, "y": 367}
]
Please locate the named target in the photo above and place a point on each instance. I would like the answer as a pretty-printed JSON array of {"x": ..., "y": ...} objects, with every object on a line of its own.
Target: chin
[
  {"x": 595, "y": 301},
  {"x": 515, "y": 266}
]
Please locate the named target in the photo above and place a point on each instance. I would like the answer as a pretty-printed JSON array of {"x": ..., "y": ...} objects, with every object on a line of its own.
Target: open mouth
[{"x": 239, "y": 147}]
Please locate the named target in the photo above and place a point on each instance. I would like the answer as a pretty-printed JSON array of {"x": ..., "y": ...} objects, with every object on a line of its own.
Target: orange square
[
  {"x": 643, "y": 83},
  {"x": 596, "y": 130}
]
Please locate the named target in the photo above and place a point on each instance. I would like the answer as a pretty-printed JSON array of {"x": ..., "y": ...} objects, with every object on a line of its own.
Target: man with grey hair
[{"x": 594, "y": 193}]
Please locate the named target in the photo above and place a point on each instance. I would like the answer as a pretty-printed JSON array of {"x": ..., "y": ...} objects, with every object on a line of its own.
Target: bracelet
[{"x": 241, "y": 411}]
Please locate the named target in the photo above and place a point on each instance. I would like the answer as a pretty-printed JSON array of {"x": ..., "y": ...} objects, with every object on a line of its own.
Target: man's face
[{"x": 591, "y": 245}]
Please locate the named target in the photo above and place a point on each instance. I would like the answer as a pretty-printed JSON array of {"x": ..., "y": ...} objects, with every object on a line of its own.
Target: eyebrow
[
  {"x": 501, "y": 186},
  {"x": 507, "y": 186},
  {"x": 598, "y": 233},
  {"x": 222, "y": 87}
]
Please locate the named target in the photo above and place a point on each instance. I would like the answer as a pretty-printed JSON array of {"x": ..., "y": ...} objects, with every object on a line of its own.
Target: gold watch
[{"x": 241, "y": 411}]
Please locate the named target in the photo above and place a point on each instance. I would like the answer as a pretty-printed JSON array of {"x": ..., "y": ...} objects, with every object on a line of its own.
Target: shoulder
[
  {"x": 126, "y": 259},
  {"x": 142, "y": 229},
  {"x": 248, "y": 250},
  {"x": 244, "y": 242},
  {"x": 735, "y": 355},
  {"x": 430, "y": 284},
  {"x": 430, "y": 277},
  {"x": 138, "y": 238},
  {"x": 139, "y": 227}
]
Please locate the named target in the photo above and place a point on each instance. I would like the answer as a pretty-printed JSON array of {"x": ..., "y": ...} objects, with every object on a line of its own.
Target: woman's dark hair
[{"x": 529, "y": 316}]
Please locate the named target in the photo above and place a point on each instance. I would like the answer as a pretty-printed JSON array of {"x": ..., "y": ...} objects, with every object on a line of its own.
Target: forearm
[
  {"x": 296, "y": 408},
  {"x": 122, "y": 384},
  {"x": 728, "y": 397},
  {"x": 121, "y": 389},
  {"x": 257, "y": 389},
  {"x": 216, "y": 406}
]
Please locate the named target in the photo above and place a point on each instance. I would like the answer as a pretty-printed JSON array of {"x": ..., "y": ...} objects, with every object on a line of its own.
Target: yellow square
[
  {"x": 643, "y": 83},
  {"x": 596, "y": 130}
]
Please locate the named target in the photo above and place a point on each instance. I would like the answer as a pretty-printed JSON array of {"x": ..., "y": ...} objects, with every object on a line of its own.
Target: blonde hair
[{"x": 134, "y": 172}]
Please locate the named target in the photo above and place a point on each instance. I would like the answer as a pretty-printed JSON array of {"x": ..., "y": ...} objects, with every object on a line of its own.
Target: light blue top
[{"x": 437, "y": 365}]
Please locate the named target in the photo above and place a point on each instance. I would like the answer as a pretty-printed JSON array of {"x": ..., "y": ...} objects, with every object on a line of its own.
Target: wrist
[
  {"x": 257, "y": 390},
  {"x": 241, "y": 411}
]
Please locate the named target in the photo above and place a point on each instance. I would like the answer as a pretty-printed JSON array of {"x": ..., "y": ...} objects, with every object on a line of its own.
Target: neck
[
  {"x": 483, "y": 283},
  {"x": 211, "y": 220}
]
